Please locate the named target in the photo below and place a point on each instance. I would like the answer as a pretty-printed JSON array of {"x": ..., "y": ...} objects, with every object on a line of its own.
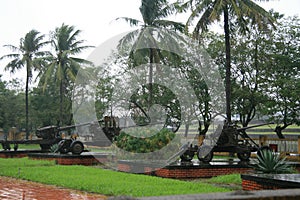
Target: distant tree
[
  {"x": 208, "y": 11},
  {"x": 282, "y": 74},
  {"x": 250, "y": 56},
  {"x": 11, "y": 106},
  {"x": 44, "y": 106},
  {"x": 27, "y": 55}
]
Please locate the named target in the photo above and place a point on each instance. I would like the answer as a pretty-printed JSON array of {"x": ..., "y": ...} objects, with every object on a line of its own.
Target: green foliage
[
  {"x": 271, "y": 163},
  {"x": 11, "y": 105},
  {"x": 226, "y": 179},
  {"x": 54, "y": 148},
  {"x": 63, "y": 67},
  {"x": 29, "y": 146},
  {"x": 99, "y": 180},
  {"x": 141, "y": 143},
  {"x": 283, "y": 82}
]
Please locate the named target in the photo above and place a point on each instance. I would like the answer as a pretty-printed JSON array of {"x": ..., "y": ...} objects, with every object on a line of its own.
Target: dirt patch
[{"x": 12, "y": 189}]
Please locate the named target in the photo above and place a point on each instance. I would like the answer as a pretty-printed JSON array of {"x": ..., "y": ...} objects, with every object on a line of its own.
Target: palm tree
[
  {"x": 26, "y": 54},
  {"x": 153, "y": 13},
  {"x": 209, "y": 11},
  {"x": 63, "y": 67}
]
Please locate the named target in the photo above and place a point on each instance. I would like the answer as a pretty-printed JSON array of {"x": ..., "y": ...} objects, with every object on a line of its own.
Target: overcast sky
[{"x": 94, "y": 17}]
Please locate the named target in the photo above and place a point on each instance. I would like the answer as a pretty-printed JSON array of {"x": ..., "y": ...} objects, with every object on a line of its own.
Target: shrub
[
  {"x": 140, "y": 143},
  {"x": 271, "y": 163}
]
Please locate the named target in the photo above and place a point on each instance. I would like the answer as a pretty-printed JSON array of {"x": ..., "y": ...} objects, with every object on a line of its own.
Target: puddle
[{"x": 13, "y": 189}]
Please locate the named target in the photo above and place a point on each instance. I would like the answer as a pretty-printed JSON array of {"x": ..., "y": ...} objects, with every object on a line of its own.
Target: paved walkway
[{"x": 13, "y": 189}]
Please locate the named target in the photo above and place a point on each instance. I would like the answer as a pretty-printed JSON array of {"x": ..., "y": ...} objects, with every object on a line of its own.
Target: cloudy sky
[{"x": 96, "y": 18}]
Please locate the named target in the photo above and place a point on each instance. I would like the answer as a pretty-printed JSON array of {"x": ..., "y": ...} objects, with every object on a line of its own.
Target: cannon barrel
[
  {"x": 258, "y": 125},
  {"x": 73, "y": 126}
]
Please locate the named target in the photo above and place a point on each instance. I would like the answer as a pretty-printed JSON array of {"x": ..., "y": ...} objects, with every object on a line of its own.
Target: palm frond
[
  {"x": 82, "y": 61},
  {"x": 131, "y": 21},
  {"x": 177, "y": 26},
  {"x": 14, "y": 65},
  {"x": 10, "y": 56},
  {"x": 72, "y": 41},
  {"x": 78, "y": 50},
  {"x": 257, "y": 14},
  {"x": 196, "y": 12},
  {"x": 13, "y": 48}
]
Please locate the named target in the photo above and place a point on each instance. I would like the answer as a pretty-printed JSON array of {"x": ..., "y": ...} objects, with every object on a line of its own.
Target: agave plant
[{"x": 269, "y": 162}]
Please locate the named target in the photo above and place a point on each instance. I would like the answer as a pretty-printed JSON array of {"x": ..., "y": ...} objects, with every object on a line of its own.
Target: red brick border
[{"x": 183, "y": 172}]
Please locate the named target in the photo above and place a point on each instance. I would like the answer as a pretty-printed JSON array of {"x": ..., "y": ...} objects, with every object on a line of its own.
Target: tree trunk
[
  {"x": 151, "y": 77},
  {"x": 61, "y": 104},
  {"x": 227, "y": 64},
  {"x": 26, "y": 102}
]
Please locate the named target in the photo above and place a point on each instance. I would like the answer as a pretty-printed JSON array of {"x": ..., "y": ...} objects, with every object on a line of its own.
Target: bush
[
  {"x": 271, "y": 163},
  {"x": 139, "y": 143}
]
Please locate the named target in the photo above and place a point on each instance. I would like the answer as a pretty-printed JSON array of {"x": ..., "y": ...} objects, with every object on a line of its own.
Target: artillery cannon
[
  {"x": 231, "y": 139},
  {"x": 48, "y": 136},
  {"x": 52, "y": 135}
]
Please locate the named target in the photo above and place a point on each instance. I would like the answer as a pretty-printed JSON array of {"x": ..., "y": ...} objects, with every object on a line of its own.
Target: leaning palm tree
[
  {"x": 28, "y": 55},
  {"x": 63, "y": 66},
  {"x": 208, "y": 11}
]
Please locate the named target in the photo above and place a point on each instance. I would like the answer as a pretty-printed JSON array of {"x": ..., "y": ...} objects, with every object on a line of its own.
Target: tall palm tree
[
  {"x": 209, "y": 11},
  {"x": 63, "y": 67},
  {"x": 27, "y": 55},
  {"x": 153, "y": 13}
]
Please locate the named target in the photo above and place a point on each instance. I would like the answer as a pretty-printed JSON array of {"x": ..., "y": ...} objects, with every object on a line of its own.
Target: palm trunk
[
  {"x": 26, "y": 103},
  {"x": 61, "y": 104},
  {"x": 151, "y": 77},
  {"x": 227, "y": 65}
]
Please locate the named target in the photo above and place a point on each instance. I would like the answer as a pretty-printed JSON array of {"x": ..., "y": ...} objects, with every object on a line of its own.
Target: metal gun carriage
[
  {"x": 232, "y": 139},
  {"x": 52, "y": 135},
  {"x": 47, "y": 137}
]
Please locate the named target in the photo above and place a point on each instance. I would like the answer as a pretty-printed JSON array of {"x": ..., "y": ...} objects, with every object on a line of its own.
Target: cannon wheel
[
  {"x": 77, "y": 147},
  {"x": 206, "y": 158},
  {"x": 6, "y": 146},
  {"x": 187, "y": 156},
  {"x": 244, "y": 156},
  {"x": 63, "y": 147},
  {"x": 205, "y": 153},
  {"x": 16, "y": 146}
]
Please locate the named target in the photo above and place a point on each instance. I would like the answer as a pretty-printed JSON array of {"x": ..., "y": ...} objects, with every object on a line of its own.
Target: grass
[
  {"x": 227, "y": 179},
  {"x": 98, "y": 180},
  {"x": 29, "y": 146},
  {"x": 230, "y": 181}
]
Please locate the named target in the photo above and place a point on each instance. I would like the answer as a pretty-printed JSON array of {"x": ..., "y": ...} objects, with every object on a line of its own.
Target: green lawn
[
  {"x": 29, "y": 146},
  {"x": 230, "y": 181},
  {"x": 98, "y": 180}
]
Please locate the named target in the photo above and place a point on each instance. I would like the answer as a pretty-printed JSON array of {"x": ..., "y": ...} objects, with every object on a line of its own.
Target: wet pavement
[{"x": 13, "y": 189}]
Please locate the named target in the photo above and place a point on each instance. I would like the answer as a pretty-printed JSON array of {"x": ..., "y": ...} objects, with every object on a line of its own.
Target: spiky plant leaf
[{"x": 269, "y": 162}]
